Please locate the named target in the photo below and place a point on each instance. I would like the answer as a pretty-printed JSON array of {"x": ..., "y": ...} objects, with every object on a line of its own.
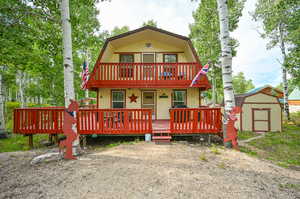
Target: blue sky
[{"x": 257, "y": 63}]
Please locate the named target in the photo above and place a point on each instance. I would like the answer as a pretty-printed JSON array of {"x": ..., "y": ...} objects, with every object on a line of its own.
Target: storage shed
[{"x": 261, "y": 111}]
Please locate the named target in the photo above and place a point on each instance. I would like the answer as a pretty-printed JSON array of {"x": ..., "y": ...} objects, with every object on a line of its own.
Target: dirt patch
[{"x": 146, "y": 170}]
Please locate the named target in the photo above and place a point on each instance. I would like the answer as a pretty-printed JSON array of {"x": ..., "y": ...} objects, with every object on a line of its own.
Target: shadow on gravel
[{"x": 111, "y": 141}]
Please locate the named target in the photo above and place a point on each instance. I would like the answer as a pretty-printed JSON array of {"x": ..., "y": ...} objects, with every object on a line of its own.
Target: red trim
[
  {"x": 107, "y": 76},
  {"x": 139, "y": 30}
]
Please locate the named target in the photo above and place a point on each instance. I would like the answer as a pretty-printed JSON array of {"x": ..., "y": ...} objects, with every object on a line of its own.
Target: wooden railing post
[
  {"x": 195, "y": 121},
  {"x": 150, "y": 120},
  {"x": 126, "y": 119}
]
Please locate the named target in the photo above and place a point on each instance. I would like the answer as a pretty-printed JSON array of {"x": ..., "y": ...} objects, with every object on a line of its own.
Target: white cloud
[
  {"x": 252, "y": 58},
  {"x": 171, "y": 15},
  {"x": 257, "y": 63}
]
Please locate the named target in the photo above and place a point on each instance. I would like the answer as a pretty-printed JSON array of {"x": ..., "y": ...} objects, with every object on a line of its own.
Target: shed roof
[
  {"x": 295, "y": 94},
  {"x": 239, "y": 98}
]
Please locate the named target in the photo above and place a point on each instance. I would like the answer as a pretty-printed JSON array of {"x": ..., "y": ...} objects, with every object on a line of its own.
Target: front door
[{"x": 148, "y": 101}]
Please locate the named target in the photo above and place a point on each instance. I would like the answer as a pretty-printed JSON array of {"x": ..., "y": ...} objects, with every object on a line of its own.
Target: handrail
[
  {"x": 195, "y": 120},
  {"x": 89, "y": 121}
]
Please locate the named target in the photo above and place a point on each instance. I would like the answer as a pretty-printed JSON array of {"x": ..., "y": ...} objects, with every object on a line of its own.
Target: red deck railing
[
  {"x": 115, "y": 121},
  {"x": 49, "y": 120},
  {"x": 195, "y": 120},
  {"x": 144, "y": 74}
]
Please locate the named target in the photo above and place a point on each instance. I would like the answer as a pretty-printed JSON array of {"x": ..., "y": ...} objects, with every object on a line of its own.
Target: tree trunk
[
  {"x": 20, "y": 80},
  {"x": 213, "y": 86},
  {"x": 2, "y": 120},
  {"x": 226, "y": 61},
  {"x": 284, "y": 79},
  {"x": 68, "y": 62}
]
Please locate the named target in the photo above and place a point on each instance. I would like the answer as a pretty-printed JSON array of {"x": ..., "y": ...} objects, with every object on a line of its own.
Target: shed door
[{"x": 261, "y": 119}]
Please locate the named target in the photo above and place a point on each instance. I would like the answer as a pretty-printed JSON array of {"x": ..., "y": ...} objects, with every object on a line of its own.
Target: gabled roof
[
  {"x": 275, "y": 91},
  {"x": 295, "y": 94},
  {"x": 240, "y": 98},
  {"x": 147, "y": 28}
]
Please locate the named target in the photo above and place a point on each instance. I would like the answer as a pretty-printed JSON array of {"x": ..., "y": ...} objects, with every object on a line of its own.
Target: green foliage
[
  {"x": 244, "y": 135},
  {"x": 283, "y": 148},
  {"x": 150, "y": 23},
  {"x": 280, "y": 20},
  {"x": 117, "y": 31},
  {"x": 20, "y": 143},
  {"x": 31, "y": 42},
  {"x": 214, "y": 149},
  {"x": 295, "y": 118},
  {"x": 205, "y": 35},
  {"x": 248, "y": 151},
  {"x": 240, "y": 84},
  {"x": 203, "y": 157}
]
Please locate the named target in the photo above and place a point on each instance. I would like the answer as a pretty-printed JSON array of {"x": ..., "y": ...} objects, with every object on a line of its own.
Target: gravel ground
[{"x": 147, "y": 170}]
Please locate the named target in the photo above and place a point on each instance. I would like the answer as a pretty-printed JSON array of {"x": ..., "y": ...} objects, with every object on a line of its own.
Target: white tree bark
[
  {"x": 68, "y": 61},
  {"x": 226, "y": 61},
  {"x": 2, "y": 100},
  {"x": 67, "y": 53},
  {"x": 284, "y": 74},
  {"x": 20, "y": 81}
]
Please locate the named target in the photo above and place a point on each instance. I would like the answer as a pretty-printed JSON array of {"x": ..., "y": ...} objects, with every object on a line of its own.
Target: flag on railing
[
  {"x": 84, "y": 75},
  {"x": 203, "y": 71}
]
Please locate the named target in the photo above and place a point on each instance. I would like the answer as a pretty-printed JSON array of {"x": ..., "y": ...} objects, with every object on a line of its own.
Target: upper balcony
[{"x": 146, "y": 75}]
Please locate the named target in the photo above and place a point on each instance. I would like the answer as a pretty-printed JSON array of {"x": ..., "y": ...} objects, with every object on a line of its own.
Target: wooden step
[{"x": 161, "y": 137}]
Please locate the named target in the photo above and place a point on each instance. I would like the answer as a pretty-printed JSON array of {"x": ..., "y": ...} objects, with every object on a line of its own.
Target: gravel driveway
[{"x": 147, "y": 170}]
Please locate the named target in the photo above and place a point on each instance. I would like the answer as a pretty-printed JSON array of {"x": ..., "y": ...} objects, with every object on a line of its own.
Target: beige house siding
[
  {"x": 162, "y": 104},
  {"x": 159, "y": 47},
  {"x": 260, "y": 99}
]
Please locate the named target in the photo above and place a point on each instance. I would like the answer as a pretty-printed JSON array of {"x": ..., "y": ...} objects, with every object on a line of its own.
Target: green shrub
[{"x": 295, "y": 117}]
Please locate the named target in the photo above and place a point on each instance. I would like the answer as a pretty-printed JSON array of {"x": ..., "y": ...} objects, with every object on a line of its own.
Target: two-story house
[{"x": 148, "y": 68}]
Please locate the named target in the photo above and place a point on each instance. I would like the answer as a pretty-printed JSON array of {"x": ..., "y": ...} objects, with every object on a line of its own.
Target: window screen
[
  {"x": 118, "y": 99},
  {"x": 179, "y": 97}
]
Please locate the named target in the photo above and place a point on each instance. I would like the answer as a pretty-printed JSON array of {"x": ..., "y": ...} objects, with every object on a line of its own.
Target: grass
[
  {"x": 214, "y": 149},
  {"x": 290, "y": 186},
  {"x": 203, "y": 157},
  {"x": 244, "y": 135},
  {"x": 20, "y": 143},
  {"x": 248, "y": 151},
  {"x": 282, "y": 148}
]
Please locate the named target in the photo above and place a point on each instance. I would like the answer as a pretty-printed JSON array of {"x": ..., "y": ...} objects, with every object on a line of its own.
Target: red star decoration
[{"x": 133, "y": 98}]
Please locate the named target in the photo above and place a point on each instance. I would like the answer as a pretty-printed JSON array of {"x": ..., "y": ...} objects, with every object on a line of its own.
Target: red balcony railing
[{"x": 144, "y": 75}]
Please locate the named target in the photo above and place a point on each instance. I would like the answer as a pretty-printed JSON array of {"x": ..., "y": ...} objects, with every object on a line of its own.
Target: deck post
[
  {"x": 30, "y": 141},
  {"x": 56, "y": 138},
  {"x": 50, "y": 138}
]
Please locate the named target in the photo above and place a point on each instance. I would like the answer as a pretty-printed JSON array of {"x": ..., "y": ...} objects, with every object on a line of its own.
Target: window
[
  {"x": 170, "y": 58},
  {"x": 169, "y": 70},
  {"x": 118, "y": 99},
  {"x": 126, "y": 70},
  {"x": 179, "y": 98}
]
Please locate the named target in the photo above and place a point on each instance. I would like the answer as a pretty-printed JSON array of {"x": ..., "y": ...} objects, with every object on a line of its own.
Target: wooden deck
[{"x": 118, "y": 121}]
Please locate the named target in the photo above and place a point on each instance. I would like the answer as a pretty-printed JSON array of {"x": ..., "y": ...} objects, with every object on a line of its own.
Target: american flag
[
  {"x": 84, "y": 75},
  {"x": 203, "y": 71}
]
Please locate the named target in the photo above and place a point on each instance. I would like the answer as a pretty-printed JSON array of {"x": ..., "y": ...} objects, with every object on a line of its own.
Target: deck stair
[{"x": 161, "y": 136}]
